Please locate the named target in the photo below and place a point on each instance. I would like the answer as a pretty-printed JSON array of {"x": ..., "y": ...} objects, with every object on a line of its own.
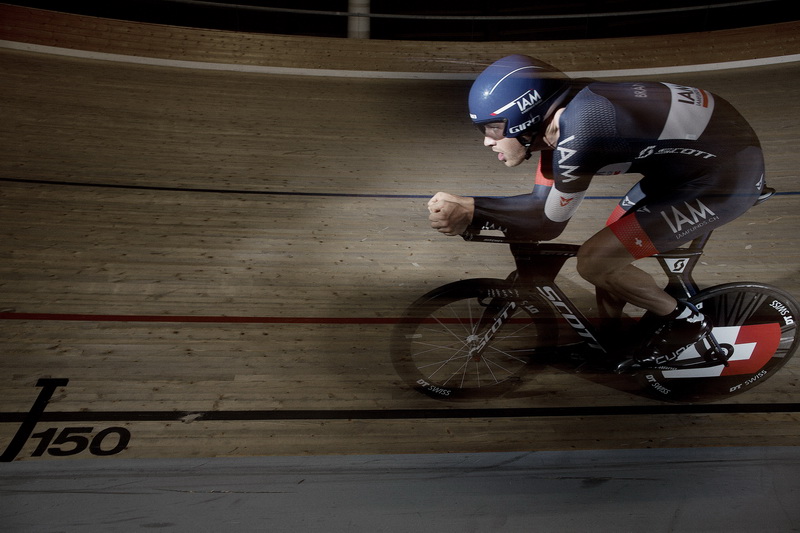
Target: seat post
[
  {"x": 678, "y": 265},
  {"x": 700, "y": 242}
]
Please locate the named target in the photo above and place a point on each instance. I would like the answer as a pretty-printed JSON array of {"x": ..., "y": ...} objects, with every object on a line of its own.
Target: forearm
[{"x": 517, "y": 216}]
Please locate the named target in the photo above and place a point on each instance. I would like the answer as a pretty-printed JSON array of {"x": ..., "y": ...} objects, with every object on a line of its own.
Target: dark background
[{"x": 575, "y": 19}]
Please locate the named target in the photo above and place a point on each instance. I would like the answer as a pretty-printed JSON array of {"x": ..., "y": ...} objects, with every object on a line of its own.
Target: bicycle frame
[
  {"x": 537, "y": 267},
  {"x": 538, "y": 264}
]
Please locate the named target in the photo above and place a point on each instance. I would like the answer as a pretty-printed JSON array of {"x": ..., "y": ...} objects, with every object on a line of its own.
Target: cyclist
[{"x": 701, "y": 163}]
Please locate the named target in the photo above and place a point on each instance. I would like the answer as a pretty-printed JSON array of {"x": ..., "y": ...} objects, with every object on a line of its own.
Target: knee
[
  {"x": 602, "y": 258},
  {"x": 589, "y": 266},
  {"x": 597, "y": 266}
]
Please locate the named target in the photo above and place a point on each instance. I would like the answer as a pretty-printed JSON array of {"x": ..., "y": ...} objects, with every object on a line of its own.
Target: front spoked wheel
[
  {"x": 471, "y": 339},
  {"x": 754, "y": 323}
]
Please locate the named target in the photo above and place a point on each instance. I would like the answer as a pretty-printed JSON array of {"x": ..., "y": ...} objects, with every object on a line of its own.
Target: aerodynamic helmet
[{"x": 518, "y": 91}]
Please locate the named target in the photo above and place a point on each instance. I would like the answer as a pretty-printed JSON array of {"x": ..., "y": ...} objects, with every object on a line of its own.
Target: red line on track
[{"x": 189, "y": 318}]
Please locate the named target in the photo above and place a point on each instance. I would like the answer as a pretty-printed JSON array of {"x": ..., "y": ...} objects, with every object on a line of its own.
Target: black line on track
[
  {"x": 206, "y": 190},
  {"x": 403, "y": 414},
  {"x": 257, "y": 193}
]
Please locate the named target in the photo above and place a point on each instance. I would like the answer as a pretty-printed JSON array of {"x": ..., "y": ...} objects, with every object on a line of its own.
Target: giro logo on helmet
[{"x": 519, "y": 128}]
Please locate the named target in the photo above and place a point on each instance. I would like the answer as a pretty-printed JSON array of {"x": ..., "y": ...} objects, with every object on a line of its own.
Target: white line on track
[{"x": 263, "y": 69}]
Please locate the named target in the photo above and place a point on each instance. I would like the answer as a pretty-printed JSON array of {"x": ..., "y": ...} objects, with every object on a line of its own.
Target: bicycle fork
[{"x": 477, "y": 343}]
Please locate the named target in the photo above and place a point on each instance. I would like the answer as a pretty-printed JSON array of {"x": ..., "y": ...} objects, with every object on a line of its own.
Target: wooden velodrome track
[{"x": 210, "y": 260}]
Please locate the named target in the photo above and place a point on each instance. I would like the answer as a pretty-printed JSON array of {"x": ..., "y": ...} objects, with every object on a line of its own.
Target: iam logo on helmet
[{"x": 524, "y": 102}]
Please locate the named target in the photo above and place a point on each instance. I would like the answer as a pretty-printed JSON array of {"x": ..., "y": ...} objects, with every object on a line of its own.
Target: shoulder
[
  {"x": 630, "y": 90},
  {"x": 631, "y": 109},
  {"x": 590, "y": 105},
  {"x": 621, "y": 94}
]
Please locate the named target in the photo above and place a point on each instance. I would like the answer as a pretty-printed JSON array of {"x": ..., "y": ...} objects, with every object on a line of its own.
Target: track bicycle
[{"x": 477, "y": 338}]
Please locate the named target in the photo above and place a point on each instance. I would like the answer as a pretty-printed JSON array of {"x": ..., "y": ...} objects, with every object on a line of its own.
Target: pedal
[
  {"x": 713, "y": 352},
  {"x": 766, "y": 192},
  {"x": 709, "y": 353},
  {"x": 627, "y": 365}
]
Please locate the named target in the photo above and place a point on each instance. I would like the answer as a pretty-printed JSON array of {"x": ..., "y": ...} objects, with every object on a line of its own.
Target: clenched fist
[{"x": 450, "y": 214}]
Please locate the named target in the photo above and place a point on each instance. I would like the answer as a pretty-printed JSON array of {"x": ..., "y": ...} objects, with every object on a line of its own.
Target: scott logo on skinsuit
[{"x": 650, "y": 150}]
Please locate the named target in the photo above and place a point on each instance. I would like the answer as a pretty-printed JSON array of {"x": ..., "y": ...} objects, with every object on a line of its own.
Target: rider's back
[{"x": 650, "y": 128}]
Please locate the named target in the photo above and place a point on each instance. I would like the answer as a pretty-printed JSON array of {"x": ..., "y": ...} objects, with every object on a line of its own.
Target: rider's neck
[{"x": 552, "y": 131}]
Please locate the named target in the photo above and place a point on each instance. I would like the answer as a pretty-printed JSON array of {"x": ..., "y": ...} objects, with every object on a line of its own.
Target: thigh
[{"x": 664, "y": 218}]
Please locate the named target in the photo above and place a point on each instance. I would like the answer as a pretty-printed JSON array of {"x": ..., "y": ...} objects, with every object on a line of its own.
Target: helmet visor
[{"x": 494, "y": 129}]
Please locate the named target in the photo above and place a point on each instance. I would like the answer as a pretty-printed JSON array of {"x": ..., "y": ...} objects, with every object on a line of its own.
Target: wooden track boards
[{"x": 289, "y": 211}]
